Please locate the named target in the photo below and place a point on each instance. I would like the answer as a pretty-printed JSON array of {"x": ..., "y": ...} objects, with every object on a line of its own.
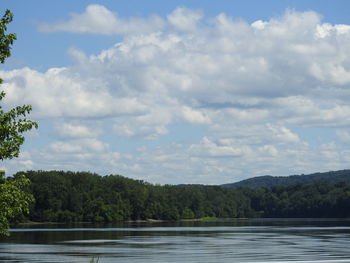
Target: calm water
[{"x": 221, "y": 241}]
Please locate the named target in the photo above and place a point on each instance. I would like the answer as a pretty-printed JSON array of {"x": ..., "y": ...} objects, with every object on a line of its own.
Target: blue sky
[{"x": 182, "y": 91}]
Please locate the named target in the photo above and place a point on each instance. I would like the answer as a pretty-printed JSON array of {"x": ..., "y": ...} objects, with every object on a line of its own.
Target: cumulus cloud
[
  {"x": 283, "y": 134},
  {"x": 250, "y": 87},
  {"x": 194, "y": 116},
  {"x": 224, "y": 148},
  {"x": 268, "y": 150},
  {"x": 69, "y": 130},
  {"x": 185, "y": 19},
  {"x": 97, "y": 19},
  {"x": 59, "y": 92},
  {"x": 232, "y": 65},
  {"x": 79, "y": 145}
]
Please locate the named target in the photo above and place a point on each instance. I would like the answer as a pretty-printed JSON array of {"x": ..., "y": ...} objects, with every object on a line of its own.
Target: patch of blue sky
[
  {"x": 315, "y": 136},
  {"x": 40, "y": 137}
]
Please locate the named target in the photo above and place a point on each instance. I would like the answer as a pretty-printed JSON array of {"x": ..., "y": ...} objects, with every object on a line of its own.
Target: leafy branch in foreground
[
  {"x": 6, "y": 40},
  {"x": 13, "y": 123},
  {"x": 14, "y": 201}
]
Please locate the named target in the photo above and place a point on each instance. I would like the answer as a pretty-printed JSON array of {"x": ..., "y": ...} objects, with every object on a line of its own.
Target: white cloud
[
  {"x": 95, "y": 145},
  {"x": 69, "y": 130},
  {"x": 79, "y": 146},
  {"x": 283, "y": 134},
  {"x": 97, "y": 19},
  {"x": 269, "y": 150},
  {"x": 259, "y": 24},
  {"x": 62, "y": 147},
  {"x": 326, "y": 30},
  {"x": 185, "y": 19},
  {"x": 62, "y": 93},
  {"x": 148, "y": 132},
  {"x": 194, "y": 116},
  {"x": 224, "y": 149}
]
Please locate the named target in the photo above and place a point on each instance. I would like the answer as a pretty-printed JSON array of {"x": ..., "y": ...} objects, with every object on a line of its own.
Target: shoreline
[{"x": 118, "y": 222}]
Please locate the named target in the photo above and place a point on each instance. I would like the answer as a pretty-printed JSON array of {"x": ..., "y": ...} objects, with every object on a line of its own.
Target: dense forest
[
  {"x": 69, "y": 196},
  {"x": 87, "y": 197},
  {"x": 268, "y": 180}
]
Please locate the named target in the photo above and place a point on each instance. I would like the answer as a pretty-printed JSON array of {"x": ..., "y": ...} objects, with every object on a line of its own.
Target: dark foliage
[
  {"x": 82, "y": 196},
  {"x": 268, "y": 181},
  {"x": 319, "y": 200}
]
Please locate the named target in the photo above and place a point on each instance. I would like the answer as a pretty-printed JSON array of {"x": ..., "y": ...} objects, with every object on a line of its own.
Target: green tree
[
  {"x": 14, "y": 201},
  {"x": 13, "y": 123}
]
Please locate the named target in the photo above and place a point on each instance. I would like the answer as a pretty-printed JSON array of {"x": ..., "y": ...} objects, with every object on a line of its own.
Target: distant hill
[{"x": 267, "y": 180}]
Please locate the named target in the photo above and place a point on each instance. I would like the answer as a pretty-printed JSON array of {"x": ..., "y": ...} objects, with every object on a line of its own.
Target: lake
[{"x": 241, "y": 240}]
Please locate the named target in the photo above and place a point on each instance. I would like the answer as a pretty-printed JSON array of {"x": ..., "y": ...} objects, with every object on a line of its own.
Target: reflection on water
[{"x": 268, "y": 240}]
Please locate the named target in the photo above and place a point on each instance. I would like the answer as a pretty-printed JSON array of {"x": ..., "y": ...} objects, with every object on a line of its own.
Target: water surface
[{"x": 258, "y": 241}]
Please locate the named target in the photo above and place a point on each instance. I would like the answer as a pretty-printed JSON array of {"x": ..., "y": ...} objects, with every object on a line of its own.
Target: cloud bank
[{"x": 254, "y": 89}]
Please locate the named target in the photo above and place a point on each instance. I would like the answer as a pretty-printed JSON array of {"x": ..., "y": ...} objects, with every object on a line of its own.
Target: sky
[{"x": 173, "y": 92}]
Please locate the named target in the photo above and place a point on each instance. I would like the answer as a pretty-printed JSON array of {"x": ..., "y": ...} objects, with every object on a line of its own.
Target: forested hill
[
  {"x": 87, "y": 197},
  {"x": 83, "y": 196},
  {"x": 268, "y": 181}
]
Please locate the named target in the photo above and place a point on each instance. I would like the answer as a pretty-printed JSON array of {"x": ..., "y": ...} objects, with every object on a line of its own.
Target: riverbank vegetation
[{"x": 87, "y": 197}]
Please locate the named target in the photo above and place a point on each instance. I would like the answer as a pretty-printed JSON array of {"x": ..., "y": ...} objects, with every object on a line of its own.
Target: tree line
[
  {"x": 320, "y": 199},
  {"x": 268, "y": 180},
  {"x": 87, "y": 197},
  {"x": 83, "y": 196}
]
